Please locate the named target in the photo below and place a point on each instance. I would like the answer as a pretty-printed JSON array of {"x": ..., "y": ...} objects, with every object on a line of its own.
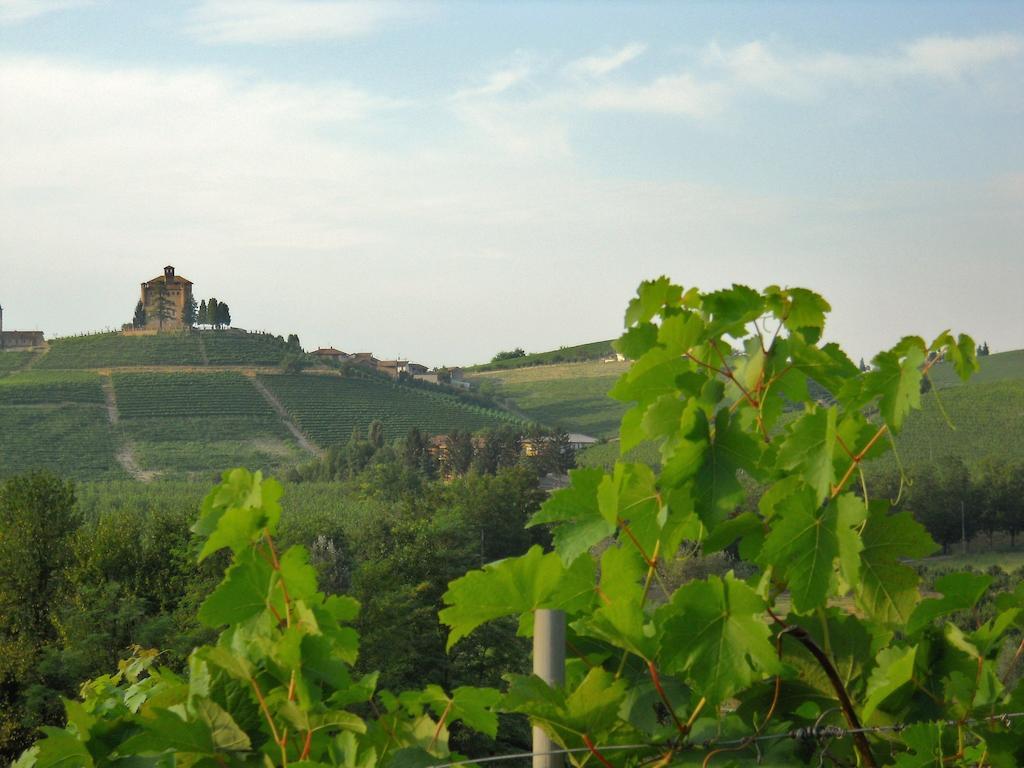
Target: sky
[{"x": 440, "y": 181}]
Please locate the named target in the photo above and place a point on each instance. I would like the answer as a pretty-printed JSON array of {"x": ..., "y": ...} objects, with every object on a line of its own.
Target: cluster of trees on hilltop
[{"x": 213, "y": 312}]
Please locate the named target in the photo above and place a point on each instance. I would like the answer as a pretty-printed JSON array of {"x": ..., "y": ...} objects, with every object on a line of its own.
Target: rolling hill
[
  {"x": 987, "y": 412},
  {"x": 188, "y": 405}
]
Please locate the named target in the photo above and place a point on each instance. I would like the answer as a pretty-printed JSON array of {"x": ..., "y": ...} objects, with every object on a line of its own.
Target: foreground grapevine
[{"x": 827, "y": 632}]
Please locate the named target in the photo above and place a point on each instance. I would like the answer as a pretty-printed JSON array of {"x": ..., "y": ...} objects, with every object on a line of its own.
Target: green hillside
[
  {"x": 198, "y": 409},
  {"x": 12, "y": 361},
  {"x": 327, "y": 408},
  {"x": 999, "y": 367},
  {"x": 112, "y": 350},
  {"x": 570, "y": 395},
  {"x": 578, "y": 354},
  {"x": 200, "y": 422}
]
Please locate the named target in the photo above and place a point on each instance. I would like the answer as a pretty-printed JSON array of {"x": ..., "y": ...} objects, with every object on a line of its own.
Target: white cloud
[
  {"x": 681, "y": 94},
  {"x": 598, "y": 66},
  {"x": 757, "y": 64},
  {"x": 281, "y": 21},
  {"x": 16, "y": 11},
  {"x": 497, "y": 82}
]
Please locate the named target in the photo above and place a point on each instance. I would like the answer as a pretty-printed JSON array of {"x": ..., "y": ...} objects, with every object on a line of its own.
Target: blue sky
[{"x": 443, "y": 180}]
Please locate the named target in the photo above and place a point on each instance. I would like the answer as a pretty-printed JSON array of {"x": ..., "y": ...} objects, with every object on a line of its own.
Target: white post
[{"x": 549, "y": 666}]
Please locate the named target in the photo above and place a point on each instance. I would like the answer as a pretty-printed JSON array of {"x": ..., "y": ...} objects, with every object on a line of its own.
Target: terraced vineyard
[
  {"x": 12, "y": 361},
  {"x": 328, "y": 407},
  {"x": 999, "y": 367},
  {"x": 56, "y": 421},
  {"x": 112, "y": 350},
  {"x": 39, "y": 388},
  {"x": 988, "y": 417},
  {"x": 228, "y": 348},
  {"x": 187, "y": 423}
]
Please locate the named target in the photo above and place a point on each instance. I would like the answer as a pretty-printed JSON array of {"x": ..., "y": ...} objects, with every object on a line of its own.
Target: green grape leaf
[
  {"x": 805, "y": 540},
  {"x": 651, "y": 297},
  {"x": 680, "y": 333},
  {"x": 897, "y": 381},
  {"x": 887, "y": 590},
  {"x": 961, "y": 352},
  {"x": 508, "y": 587},
  {"x": 243, "y": 593},
  {"x": 476, "y": 707},
  {"x": 299, "y": 576},
  {"x": 804, "y": 311},
  {"x": 714, "y": 632},
  {"x": 592, "y": 708},
  {"x": 717, "y": 490},
  {"x": 808, "y": 447},
  {"x": 960, "y": 592},
  {"x": 620, "y": 618},
  {"x": 924, "y": 745},
  {"x": 742, "y": 526},
  {"x": 579, "y": 523},
  {"x": 60, "y": 749},
  {"x": 650, "y": 377},
  {"x": 629, "y": 497},
  {"x": 894, "y": 669},
  {"x": 163, "y": 730},
  {"x": 225, "y": 733},
  {"x": 235, "y": 513},
  {"x": 828, "y": 365},
  {"x": 732, "y": 308},
  {"x": 637, "y": 341}
]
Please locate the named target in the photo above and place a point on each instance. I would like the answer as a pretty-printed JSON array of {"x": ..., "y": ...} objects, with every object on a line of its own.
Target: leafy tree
[
  {"x": 212, "y": 312},
  {"x": 508, "y": 355},
  {"x": 293, "y": 341},
  {"x": 203, "y": 315},
  {"x": 191, "y": 312},
  {"x": 223, "y": 315},
  {"x": 460, "y": 452},
  {"x": 36, "y": 522},
  {"x": 162, "y": 307},
  {"x": 139, "y": 319},
  {"x": 376, "y": 434}
]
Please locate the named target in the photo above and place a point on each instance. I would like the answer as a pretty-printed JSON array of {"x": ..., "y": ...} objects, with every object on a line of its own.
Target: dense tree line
[
  {"x": 80, "y": 584},
  {"x": 956, "y": 503}
]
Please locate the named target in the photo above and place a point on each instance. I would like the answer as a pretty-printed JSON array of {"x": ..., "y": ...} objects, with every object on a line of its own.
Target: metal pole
[
  {"x": 963, "y": 529},
  {"x": 549, "y": 666}
]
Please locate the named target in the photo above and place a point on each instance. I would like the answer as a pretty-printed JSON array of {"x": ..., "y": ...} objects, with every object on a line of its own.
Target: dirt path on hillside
[
  {"x": 33, "y": 360},
  {"x": 126, "y": 452},
  {"x": 303, "y": 441}
]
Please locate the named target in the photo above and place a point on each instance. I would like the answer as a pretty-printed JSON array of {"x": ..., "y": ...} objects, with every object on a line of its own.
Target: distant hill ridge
[{"x": 582, "y": 352}]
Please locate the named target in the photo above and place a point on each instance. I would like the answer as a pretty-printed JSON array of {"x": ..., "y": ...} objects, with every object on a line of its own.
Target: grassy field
[
  {"x": 111, "y": 350},
  {"x": 196, "y": 424},
  {"x": 327, "y": 408},
  {"x": 570, "y": 395},
  {"x": 580, "y": 353}
]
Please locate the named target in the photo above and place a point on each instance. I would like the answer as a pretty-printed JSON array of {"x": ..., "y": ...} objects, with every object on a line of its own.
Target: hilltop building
[
  {"x": 165, "y": 299},
  {"x": 18, "y": 340}
]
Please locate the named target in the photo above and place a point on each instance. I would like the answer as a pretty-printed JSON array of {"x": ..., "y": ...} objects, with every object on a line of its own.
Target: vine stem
[
  {"x": 595, "y": 752},
  {"x": 656, "y": 679},
  {"x": 440, "y": 724},
  {"x": 856, "y": 460},
  {"x": 859, "y": 739}
]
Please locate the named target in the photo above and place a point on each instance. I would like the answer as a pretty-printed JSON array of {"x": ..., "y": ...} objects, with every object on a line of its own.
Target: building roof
[
  {"x": 163, "y": 279},
  {"x": 328, "y": 351}
]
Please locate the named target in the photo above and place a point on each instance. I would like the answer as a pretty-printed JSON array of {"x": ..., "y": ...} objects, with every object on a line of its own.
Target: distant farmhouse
[
  {"x": 19, "y": 340},
  {"x": 165, "y": 299}
]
